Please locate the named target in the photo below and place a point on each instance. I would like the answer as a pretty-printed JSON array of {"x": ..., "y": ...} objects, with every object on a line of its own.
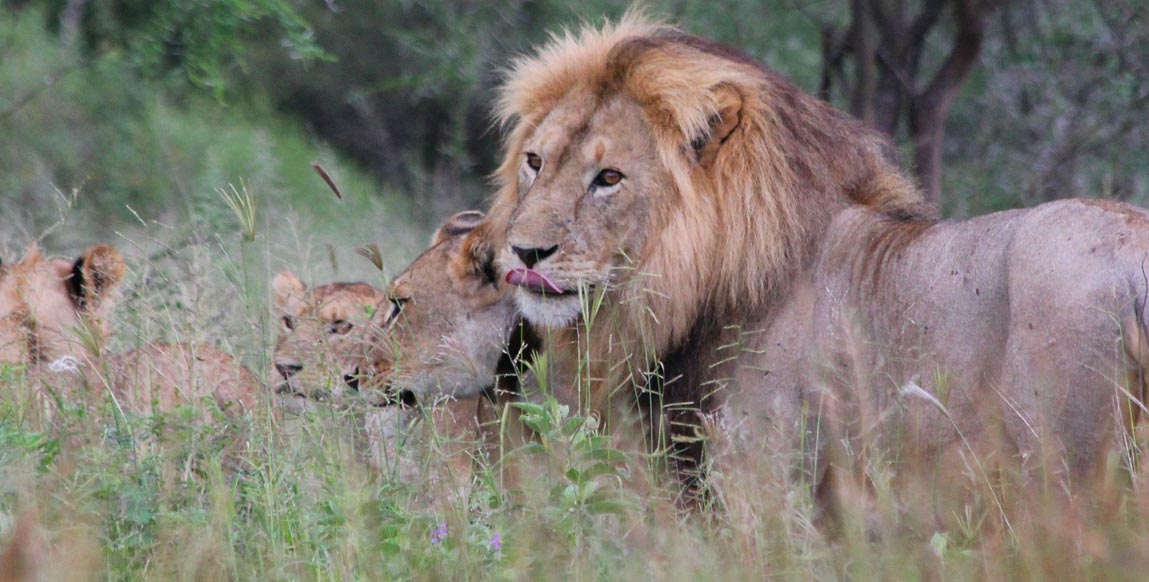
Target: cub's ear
[
  {"x": 289, "y": 293},
  {"x": 724, "y": 122},
  {"x": 458, "y": 225},
  {"x": 96, "y": 274}
]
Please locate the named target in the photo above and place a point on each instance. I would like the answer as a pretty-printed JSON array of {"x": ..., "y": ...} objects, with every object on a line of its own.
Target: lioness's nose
[
  {"x": 531, "y": 255},
  {"x": 288, "y": 370}
]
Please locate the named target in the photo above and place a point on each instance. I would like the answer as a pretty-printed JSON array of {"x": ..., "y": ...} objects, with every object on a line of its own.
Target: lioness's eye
[
  {"x": 534, "y": 161},
  {"x": 607, "y": 178},
  {"x": 288, "y": 322},
  {"x": 339, "y": 326}
]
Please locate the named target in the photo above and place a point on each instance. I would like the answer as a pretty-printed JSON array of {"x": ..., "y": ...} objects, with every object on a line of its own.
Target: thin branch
[
  {"x": 925, "y": 21},
  {"x": 31, "y": 95},
  {"x": 969, "y": 15},
  {"x": 890, "y": 30}
]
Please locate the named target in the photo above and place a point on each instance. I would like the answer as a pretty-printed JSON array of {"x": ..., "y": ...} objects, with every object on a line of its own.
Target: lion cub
[{"x": 54, "y": 321}]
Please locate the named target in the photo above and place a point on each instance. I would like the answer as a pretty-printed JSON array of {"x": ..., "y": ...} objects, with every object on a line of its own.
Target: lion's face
[
  {"x": 316, "y": 347},
  {"x": 51, "y": 308},
  {"x": 445, "y": 322},
  {"x": 590, "y": 187}
]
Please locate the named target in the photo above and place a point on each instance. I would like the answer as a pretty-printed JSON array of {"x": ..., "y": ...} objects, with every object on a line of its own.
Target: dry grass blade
[
  {"x": 242, "y": 204},
  {"x": 327, "y": 178},
  {"x": 373, "y": 254}
]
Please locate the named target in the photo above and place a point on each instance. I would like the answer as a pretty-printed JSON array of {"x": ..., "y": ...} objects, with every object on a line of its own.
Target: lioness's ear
[
  {"x": 458, "y": 225},
  {"x": 95, "y": 275},
  {"x": 289, "y": 292},
  {"x": 476, "y": 257},
  {"x": 726, "y": 119}
]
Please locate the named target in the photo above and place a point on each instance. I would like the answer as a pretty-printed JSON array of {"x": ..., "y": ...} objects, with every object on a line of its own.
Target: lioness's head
[
  {"x": 51, "y": 308},
  {"x": 316, "y": 341},
  {"x": 446, "y": 319}
]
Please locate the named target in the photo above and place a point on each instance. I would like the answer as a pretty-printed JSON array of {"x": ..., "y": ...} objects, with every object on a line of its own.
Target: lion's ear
[
  {"x": 458, "y": 225},
  {"x": 95, "y": 275},
  {"x": 726, "y": 119},
  {"x": 289, "y": 292}
]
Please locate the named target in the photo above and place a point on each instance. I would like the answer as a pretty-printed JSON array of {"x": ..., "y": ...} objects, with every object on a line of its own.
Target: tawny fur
[
  {"x": 329, "y": 335},
  {"x": 55, "y": 320},
  {"x": 766, "y": 259}
]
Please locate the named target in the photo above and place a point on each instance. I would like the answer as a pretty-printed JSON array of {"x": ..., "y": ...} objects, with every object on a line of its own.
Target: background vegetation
[{"x": 121, "y": 119}]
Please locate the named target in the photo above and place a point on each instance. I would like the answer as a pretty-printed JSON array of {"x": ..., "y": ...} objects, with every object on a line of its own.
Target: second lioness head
[{"x": 445, "y": 321}]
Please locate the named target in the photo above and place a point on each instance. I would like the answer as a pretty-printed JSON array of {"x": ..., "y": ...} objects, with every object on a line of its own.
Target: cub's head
[
  {"x": 446, "y": 319},
  {"x": 316, "y": 334},
  {"x": 51, "y": 308}
]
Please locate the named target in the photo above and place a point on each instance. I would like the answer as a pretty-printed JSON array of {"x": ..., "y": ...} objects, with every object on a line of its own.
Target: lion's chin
[{"x": 548, "y": 310}]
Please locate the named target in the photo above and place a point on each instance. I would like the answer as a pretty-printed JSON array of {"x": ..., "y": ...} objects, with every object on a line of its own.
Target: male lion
[
  {"x": 747, "y": 248},
  {"x": 54, "y": 321}
]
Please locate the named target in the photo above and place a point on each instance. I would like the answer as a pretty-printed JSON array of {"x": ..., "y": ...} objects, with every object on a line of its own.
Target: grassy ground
[{"x": 124, "y": 497}]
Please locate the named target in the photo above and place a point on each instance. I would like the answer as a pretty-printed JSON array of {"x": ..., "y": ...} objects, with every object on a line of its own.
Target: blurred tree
[
  {"x": 410, "y": 92},
  {"x": 1020, "y": 101},
  {"x": 200, "y": 41},
  {"x": 899, "y": 74}
]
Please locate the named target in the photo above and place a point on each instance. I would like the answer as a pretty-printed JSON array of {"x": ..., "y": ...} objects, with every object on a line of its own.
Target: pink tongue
[{"x": 532, "y": 279}]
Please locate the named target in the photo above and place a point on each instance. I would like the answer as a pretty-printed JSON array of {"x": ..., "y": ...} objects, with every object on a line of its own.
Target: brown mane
[{"x": 792, "y": 162}]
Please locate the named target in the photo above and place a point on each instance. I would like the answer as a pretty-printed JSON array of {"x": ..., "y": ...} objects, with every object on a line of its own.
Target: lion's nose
[
  {"x": 532, "y": 255},
  {"x": 288, "y": 370}
]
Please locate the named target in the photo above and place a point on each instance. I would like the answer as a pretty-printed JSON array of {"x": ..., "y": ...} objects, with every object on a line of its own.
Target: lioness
[
  {"x": 757, "y": 253},
  {"x": 446, "y": 321},
  {"x": 324, "y": 331},
  {"x": 54, "y": 320},
  {"x": 448, "y": 328}
]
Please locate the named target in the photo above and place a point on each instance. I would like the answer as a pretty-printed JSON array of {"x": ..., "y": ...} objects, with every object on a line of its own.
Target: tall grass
[{"x": 128, "y": 496}]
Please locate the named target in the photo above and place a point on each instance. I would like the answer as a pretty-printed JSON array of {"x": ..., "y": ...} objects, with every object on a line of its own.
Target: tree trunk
[
  {"x": 930, "y": 108},
  {"x": 865, "y": 46},
  {"x": 71, "y": 17},
  {"x": 927, "y": 133}
]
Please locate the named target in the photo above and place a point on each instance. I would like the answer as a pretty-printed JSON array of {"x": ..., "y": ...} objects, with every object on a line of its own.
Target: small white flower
[{"x": 63, "y": 364}]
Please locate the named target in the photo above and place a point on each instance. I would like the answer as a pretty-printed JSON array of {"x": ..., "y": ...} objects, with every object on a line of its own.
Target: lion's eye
[
  {"x": 534, "y": 161},
  {"x": 288, "y": 322},
  {"x": 339, "y": 326},
  {"x": 607, "y": 178}
]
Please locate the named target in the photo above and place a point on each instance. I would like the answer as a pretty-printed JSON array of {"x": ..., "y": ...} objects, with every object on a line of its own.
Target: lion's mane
[{"x": 740, "y": 228}]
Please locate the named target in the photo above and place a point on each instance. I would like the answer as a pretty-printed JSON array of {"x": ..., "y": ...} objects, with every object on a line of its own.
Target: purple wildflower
[
  {"x": 496, "y": 542},
  {"x": 439, "y": 534}
]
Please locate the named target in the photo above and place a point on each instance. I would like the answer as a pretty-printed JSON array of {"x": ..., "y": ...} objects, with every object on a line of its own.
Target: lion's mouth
[
  {"x": 388, "y": 395},
  {"x": 286, "y": 388},
  {"x": 534, "y": 281}
]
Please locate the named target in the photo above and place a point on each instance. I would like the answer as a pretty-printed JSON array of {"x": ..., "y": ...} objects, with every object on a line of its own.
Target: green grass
[{"x": 127, "y": 497}]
